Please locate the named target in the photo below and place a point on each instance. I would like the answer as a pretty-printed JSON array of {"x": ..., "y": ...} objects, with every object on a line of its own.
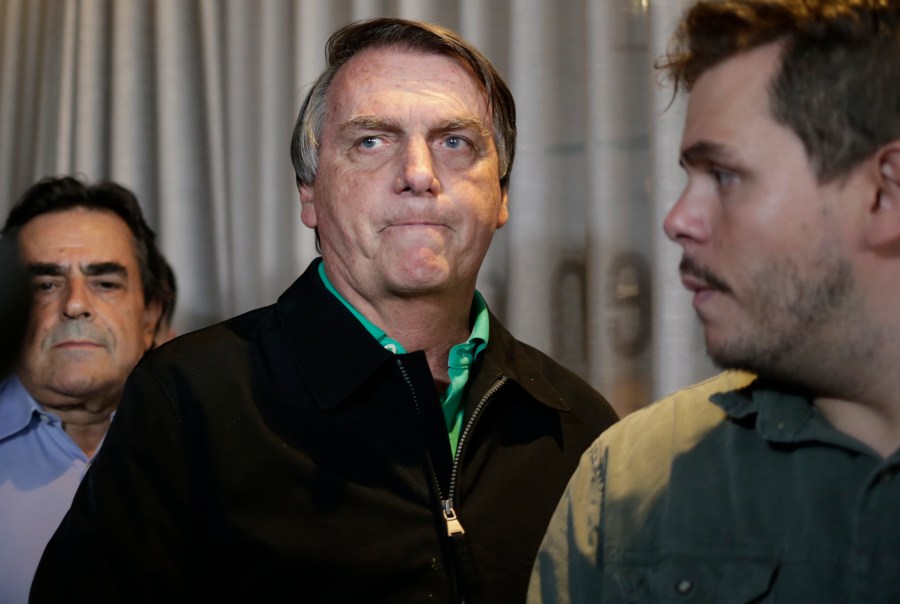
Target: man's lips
[
  {"x": 695, "y": 284},
  {"x": 416, "y": 223},
  {"x": 78, "y": 344},
  {"x": 702, "y": 291},
  {"x": 416, "y": 226},
  {"x": 701, "y": 281},
  {"x": 698, "y": 278}
]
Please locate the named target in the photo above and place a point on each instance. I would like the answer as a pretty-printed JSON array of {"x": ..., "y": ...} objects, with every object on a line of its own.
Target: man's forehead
[
  {"x": 366, "y": 58},
  {"x": 729, "y": 96},
  {"x": 413, "y": 69},
  {"x": 77, "y": 237}
]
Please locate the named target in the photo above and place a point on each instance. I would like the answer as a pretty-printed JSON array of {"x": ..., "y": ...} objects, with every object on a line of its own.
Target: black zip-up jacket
[{"x": 285, "y": 456}]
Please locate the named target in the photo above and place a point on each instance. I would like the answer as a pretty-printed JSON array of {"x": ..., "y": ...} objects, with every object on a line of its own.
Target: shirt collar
[
  {"x": 472, "y": 347},
  {"x": 317, "y": 330},
  {"x": 18, "y": 407},
  {"x": 781, "y": 415}
]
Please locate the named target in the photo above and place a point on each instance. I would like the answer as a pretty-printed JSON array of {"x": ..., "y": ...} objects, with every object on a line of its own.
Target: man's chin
[
  {"x": 742, "y": 356},
  {"x": 410, "y": 288},
  {"x": 80, "y": 387},
  {"x": 727, "y": 352},
  {"x": 421, "y": 277}
]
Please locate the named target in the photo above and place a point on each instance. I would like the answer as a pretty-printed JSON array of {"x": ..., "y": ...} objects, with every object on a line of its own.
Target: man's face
[
  {"x": 89, "y": 324},
  {"x": 407, "y": 196},
  {"x": 766, "y": 249}
]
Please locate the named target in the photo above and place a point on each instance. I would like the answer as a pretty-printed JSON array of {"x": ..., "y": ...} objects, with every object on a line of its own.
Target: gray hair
[{"x": 409, "y": 35}]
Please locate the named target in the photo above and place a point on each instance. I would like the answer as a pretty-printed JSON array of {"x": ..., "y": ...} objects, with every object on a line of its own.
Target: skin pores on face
[
  {"x": 407, "y": 196},
  {"x": 765, "y": 251},
  {"x": 89, "y": 325}
]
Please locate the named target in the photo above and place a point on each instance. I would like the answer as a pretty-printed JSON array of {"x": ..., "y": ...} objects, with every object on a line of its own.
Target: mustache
[
  {"x": 689, "y": 266},
  {"x": 76, "y": 330}
]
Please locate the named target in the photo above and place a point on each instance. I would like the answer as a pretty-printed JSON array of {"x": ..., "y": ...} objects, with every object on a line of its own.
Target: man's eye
[
  {"x": 722, "y": 177},
  {"x": 370, "y": 142},
  {"x": 43, "y": 286},
  {"x": 108, "y": 285},
  {"x": 455, "y": 142}
]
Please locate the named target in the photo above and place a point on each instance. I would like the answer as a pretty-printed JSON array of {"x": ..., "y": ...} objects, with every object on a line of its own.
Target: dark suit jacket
[{"x": 285, "y": 456}]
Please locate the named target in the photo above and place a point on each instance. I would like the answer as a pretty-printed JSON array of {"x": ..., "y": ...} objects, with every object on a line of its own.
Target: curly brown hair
[{"x": 838, "y": 87}]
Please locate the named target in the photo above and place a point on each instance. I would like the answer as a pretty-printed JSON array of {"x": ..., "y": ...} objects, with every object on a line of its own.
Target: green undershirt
[{"x": 462, "y": 357}]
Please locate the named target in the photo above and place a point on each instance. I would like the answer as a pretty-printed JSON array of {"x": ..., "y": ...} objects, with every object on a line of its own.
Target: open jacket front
[{"x": 284, "y": 455}]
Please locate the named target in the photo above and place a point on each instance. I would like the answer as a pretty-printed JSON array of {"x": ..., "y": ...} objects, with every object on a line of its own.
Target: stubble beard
[{"x": 798, "y": 326}]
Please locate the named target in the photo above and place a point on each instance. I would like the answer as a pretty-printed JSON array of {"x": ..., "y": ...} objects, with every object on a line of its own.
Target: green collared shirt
[
  {"x": 725, "y": 492},
  {"x": 462, "y": 356}
]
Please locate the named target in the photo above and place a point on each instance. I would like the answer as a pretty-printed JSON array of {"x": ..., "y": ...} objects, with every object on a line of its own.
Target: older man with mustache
[
  {"x": 95, "y": 304},
  {"x": 376, "y": 435}
]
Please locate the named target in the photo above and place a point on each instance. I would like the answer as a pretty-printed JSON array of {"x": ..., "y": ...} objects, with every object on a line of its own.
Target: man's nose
[
  {"x": 417, "y": 174},
  {"x": 687, "y": 220},
  {"x": 77, "y": 301}
]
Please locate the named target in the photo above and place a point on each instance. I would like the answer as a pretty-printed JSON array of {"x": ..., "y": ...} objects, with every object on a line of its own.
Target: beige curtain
[{"x": 190, "y": 103}]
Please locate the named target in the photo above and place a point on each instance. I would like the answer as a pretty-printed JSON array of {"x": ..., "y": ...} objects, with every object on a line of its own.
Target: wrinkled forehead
[
  {"x": 395, "y": 68},
  {"x": 78, "y": 236}
]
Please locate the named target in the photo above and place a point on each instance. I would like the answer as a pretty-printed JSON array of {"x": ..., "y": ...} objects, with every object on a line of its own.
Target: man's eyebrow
[
  {"x": 374, "y": 122},
  {"x": 463, "y": 123},
  {"x": 104, "y": 268},
  {"x": 705, "y": 152},
  {"x": 369, "y": 122},
  {"x": 46, "y": 269}
]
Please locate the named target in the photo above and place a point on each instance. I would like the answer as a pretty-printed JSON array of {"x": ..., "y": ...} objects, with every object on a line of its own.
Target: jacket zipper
[
  {"x": 454, "y": 526},
  {"x": 451, "y": 520}
]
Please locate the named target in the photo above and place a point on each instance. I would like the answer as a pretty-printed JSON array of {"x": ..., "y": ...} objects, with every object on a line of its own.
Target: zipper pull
[{"x": 454, "y": 526}]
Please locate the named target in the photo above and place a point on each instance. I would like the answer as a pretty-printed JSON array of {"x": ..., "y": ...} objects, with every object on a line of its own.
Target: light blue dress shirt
[{"x": 40, "y": 468}]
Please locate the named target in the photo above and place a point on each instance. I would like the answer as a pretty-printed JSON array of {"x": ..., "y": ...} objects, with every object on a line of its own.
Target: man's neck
[
  {"x": 861, "y": 386},
  {"x": 86, "y": 422},
  {"x": 874, "y": 426},
  {"x": 88, "y": 436},
  {"x": 431, "y": 325},
  {"x": 432, "y": 321},
  {"x": 855, "y": 388}
]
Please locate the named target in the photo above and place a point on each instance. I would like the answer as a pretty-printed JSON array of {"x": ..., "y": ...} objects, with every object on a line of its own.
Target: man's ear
[
  {"x": 884, "y": 225},
  {"x": 152, "y": 317},
  {"x": 503, "y": 213},
  {"x": 307, "y": 206}
]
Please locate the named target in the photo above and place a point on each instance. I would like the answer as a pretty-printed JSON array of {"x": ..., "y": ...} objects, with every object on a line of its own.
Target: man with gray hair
[
  {"x": 376, "y": 435},
  {"x": 778, "y": 483}
]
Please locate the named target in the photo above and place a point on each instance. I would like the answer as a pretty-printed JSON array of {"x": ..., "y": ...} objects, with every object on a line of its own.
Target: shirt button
[
  {"x": 464, "y": 361},
  {"x": 684, "y": 587},
  {"x": 391, "y": 347}
]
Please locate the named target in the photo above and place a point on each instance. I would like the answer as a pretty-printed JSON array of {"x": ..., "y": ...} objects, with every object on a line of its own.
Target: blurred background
[{"x": 191, "y": 103}]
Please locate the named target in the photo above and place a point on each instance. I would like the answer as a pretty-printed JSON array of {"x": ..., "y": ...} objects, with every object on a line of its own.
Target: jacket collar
[
  {"x": 505, "y": 355},
  {"x": 336, "y": 355},
  {"x": 331, "y": 348}
]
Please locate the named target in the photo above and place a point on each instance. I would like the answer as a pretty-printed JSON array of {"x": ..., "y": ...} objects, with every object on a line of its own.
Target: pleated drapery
[{"x": 190, "y": 103}]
